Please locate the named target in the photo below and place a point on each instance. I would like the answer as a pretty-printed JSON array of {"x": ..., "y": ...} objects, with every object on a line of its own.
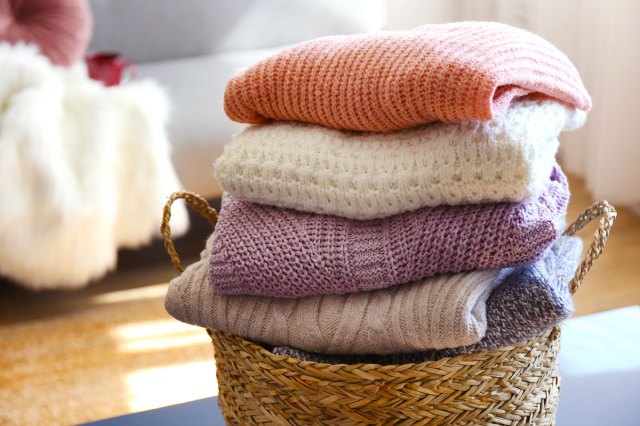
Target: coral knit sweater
[{"x": 394, "y": 80}]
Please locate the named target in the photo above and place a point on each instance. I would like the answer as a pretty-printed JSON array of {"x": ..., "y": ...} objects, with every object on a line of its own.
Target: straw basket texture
[{"x": 514, "y": 385}]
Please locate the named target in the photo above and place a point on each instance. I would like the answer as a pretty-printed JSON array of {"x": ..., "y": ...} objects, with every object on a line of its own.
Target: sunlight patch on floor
[
  {"x": 162, "y": 386},
  {"x": 154, "y": 387},
  {"x": 134, "y": 294},
  {"x": 195, "y": 337},
  {"x": 147, "y": 329}
]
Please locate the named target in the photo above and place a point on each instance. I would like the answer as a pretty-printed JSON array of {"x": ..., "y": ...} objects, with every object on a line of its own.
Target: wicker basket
[{"x": 510, "y": 386}]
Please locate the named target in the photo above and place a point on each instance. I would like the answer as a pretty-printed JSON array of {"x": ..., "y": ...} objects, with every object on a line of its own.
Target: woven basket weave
[{"x": 514, "y": 385}]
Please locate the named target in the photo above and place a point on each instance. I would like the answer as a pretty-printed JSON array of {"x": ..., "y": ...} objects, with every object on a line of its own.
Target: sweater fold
[
  {"x": 369, "y": 175},
  {"x": 528, "y": 301},
  {"x": 399, "y": 79},
  {"x": 439, "y": 312},
  {"x": 267, "y": 251}
]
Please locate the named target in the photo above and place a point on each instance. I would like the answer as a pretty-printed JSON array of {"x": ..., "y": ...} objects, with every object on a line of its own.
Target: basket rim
[{"x": 550, "y": 334}]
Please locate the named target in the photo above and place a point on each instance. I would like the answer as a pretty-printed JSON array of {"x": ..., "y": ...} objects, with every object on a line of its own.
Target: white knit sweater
[{"x": 372, "y": 175}]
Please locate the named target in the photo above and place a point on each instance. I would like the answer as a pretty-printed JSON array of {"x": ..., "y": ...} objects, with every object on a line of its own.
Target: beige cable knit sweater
[{"x": 441, "y": 312}]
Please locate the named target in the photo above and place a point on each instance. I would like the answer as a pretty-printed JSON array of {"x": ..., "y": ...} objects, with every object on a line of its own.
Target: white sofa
[{"x": 192, "y": 47}]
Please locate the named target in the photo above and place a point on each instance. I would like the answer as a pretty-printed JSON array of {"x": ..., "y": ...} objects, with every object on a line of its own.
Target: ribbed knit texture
[
  {"x": 530, "y": 300},
  {"x": 371, "y": 175},
  {"x": 440, "y": 312},
  {"x": 398, "y": 79},
  {"x": 269, "y": 251}
]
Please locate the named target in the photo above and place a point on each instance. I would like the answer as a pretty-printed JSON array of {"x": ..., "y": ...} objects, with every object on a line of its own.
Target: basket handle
[
  {"x": 607, "y": 214},
  {"x": 602, "y": 209},
  {"x": 199, "y": 204}
]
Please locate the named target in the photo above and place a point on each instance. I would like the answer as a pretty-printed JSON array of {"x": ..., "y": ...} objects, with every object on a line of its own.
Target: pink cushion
[{"x": 61, "y": 28}]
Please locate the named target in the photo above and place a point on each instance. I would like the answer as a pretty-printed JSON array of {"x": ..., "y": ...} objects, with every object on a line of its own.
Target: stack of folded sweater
[{"x": 396, "y": 198}]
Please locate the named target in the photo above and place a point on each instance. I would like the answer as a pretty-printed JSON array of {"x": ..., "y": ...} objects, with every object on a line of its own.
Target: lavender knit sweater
[
  {"x": 267, "y": 251},
  {"x": 530, "y": 300}
]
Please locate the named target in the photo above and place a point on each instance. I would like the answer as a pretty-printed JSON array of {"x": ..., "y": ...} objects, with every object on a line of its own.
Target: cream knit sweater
[
  {"x": 369, "y": 175},
  {"x": 441, "y": 312}
]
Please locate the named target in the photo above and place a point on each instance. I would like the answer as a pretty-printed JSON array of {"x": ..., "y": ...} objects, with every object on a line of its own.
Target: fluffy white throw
[
  {"x": 372, "y": 175},
  {"x": 84, "y": 170}
]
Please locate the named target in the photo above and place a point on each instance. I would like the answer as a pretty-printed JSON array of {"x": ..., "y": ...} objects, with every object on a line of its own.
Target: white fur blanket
[{"x": 84, "y": 170}]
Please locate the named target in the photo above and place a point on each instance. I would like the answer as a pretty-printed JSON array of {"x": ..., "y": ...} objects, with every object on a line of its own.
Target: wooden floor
[
  {"x": 70, "y": 357},
  {"x": 110, "y": 349}
]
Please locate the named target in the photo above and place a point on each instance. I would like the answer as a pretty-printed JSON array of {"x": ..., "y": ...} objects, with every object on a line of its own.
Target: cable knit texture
[
  {"x": 440, "y": 312},
  {"x": 528, "y": 301},
  {"x": 269, "y": 251},
  {"x": 399, "y": 79},
  {"x": 371, "y": 175}
]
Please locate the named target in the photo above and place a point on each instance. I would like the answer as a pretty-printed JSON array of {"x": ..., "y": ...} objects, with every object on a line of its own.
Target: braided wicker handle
[
  {"x": 607, "y": 214},
  {"x": 200, "y": 205}
]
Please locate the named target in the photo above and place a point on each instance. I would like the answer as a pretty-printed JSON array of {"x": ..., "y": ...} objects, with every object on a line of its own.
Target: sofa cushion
[
  {"x": 60, "y": 28},
  {"x": 154, "y": 30}
]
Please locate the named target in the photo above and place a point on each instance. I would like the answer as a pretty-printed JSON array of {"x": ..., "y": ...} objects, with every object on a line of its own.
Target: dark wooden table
[{"x": 195, "y": 413}]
